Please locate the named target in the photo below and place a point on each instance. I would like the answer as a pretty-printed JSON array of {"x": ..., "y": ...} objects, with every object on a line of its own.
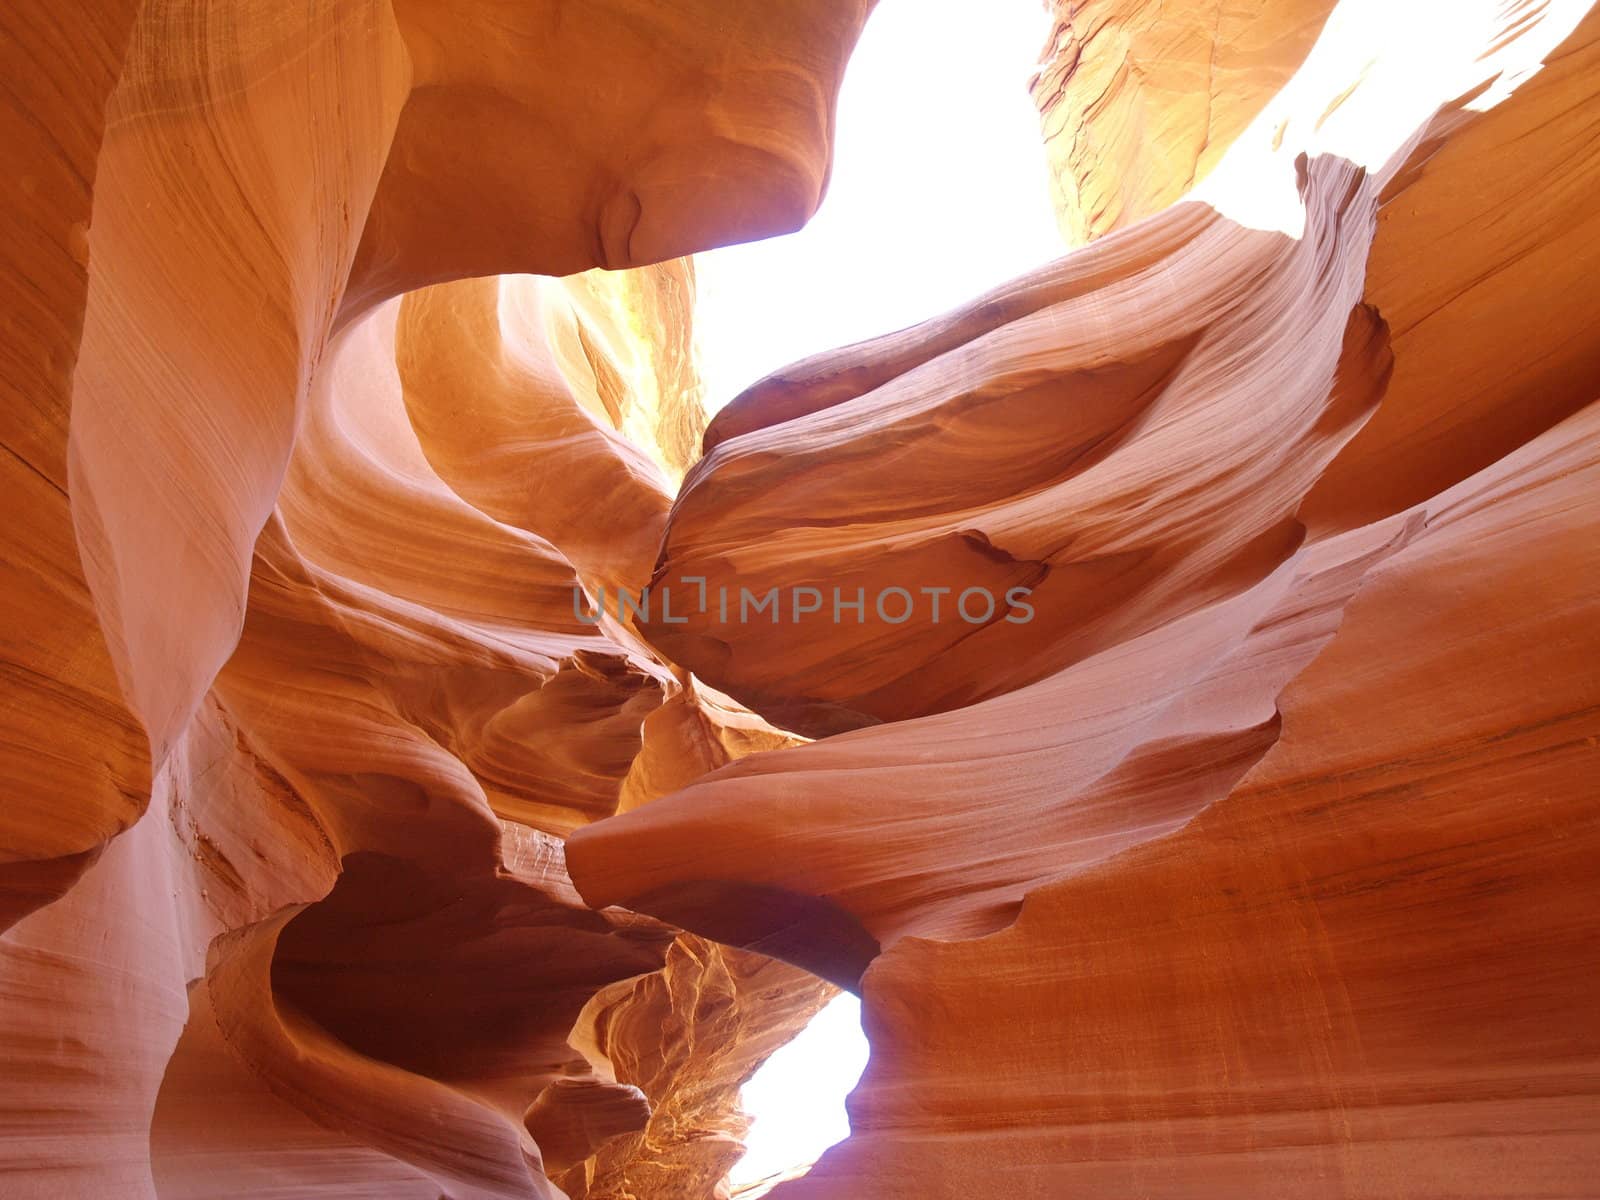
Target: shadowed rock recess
[{"x": 353, "y": 845}]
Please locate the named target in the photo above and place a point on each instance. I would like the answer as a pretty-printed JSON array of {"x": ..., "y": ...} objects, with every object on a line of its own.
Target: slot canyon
[{"x": 444, "y": 756}]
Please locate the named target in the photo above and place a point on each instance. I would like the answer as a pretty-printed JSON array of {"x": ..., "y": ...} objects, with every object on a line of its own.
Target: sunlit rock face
[
  {"x": 358, "y": 844},
  {"x": 1250, "y": 865},
  {"x": 300, "y": 705},
  {"x": 1140, "y": 99}
]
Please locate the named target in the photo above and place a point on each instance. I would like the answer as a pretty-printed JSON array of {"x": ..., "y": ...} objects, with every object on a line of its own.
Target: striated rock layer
[
  {"x": 1245, "y": 844},
  {"x": 1140, "y": 99},
  {"x": 301, "y": 702},
  {"x": 1259, "y": 859}
]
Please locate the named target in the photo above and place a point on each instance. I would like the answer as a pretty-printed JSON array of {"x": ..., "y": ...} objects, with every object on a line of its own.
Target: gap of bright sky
[{"x": 939, "y": 192}]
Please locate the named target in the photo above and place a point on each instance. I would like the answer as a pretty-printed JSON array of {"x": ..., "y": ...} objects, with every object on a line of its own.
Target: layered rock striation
[
  {"x": 1230, "y": 831},
  {"x": 1247, "y": 852},
  {"x": 295, "y": 663}
]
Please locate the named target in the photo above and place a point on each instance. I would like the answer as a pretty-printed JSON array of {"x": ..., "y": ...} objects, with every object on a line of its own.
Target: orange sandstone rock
[
  {"x": 346, "y": 853},
  {"x": 1139, "y": 99},
  {"x": 279, "y": 681}
]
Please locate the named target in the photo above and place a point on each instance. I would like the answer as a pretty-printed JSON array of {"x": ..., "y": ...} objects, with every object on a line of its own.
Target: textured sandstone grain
[
  {"x": 331, "y": 697},
  {"x": 1140, "y": 99},
  {"x": 341, "y": 856}
]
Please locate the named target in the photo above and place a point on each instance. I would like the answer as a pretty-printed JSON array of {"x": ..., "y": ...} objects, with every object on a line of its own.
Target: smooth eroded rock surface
[{"x": 1230, "y": 831}]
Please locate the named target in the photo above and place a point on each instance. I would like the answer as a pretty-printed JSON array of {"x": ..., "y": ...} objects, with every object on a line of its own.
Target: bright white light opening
[
  {"x": 940, "y": 191},
  {"x": 797, "y": 1097}
]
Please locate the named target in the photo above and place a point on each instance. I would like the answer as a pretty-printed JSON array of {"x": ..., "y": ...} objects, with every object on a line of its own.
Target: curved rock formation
[
  {"x": 1131, "y": 514},
  {"x": 370, "y": 704},
  {"x": 1353, "y": 976},
  {"x": 1139, "y": 99},
  {"x": 1235, "y": 868},
  {"x": 1231, "y": 832}
]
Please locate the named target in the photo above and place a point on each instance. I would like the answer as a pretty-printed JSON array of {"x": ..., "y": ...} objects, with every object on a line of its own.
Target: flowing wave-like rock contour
[{"x": 345, "y": 855}]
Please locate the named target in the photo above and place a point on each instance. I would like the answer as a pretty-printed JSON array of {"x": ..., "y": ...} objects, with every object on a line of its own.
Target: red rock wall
[
  {"x": 1140, "y": 99},
  {"x": 1251, "y": 866},
  {"x": 343, "y": 857},
  {"x": 300, "y": 708}
]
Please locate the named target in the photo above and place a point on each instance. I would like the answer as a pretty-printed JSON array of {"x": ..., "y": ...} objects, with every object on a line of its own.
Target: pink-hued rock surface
[{"x": 1253, "y": 851}]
